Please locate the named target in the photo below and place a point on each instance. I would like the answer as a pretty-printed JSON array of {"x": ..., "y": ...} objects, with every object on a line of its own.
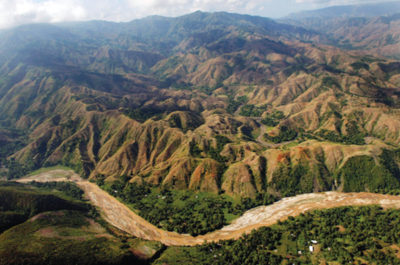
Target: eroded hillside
[{"x": 237, "y": 104}]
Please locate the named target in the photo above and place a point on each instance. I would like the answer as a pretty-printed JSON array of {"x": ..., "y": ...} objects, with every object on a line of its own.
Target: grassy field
[
  {"x": 62, "y": 237},
  {"x": 47, "y": 169}
]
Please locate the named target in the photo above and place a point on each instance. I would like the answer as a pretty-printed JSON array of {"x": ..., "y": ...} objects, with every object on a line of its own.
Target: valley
[{"x": 120, "y": 216}]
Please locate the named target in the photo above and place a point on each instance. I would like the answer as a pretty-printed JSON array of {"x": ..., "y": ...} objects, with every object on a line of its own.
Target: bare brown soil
[
  {"x": 120, "y": 216},
  {"x": 396, "y": 250}
]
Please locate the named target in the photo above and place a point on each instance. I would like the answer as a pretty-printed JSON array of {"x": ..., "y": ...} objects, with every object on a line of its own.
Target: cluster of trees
[
  {"x": 249, "y": 203},
  {"x": 329, "y": 81},
  {"x": 390, "y": 159},
  {"x": 212, "y": 152},
  {"x": 233, "y": 104},
  {"x": 291, "y": 180},
  {"x": 345, "y": 234},
  {"x": 15, "y": 169},
  {"x": 182, "y": 211},
  {"x": 363, "y": 173},
  {"x": 179, "y": 211},
  {"x": 194, "y": 149},
  {"x": 7, "y": 148},
  {"x": 360, "y": 65},
  {"x": 342, "y": 235},
  {"x": 68, "y": 188},
  {"x": 273, "y": 119},
  {"x": 12, "y": 136},
  {"x": 285, "y": 134},
  {"x": 143, "y": 114},
  {"x": 354, "y": 135},
  {"x": 252, "y": 110}
]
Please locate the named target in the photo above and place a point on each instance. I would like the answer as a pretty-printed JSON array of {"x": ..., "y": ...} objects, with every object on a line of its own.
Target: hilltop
[{"x": 213, "y": 102}]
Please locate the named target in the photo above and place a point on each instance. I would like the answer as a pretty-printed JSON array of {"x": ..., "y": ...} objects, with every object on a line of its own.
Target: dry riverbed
[{"x": 122, "y": 217}]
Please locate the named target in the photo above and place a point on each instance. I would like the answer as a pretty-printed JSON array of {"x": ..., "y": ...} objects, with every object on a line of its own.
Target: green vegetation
[
  {"x": 354, "y": 135},
  {"x": 252, "y": 110},
  {"x": 360, "y": 65},
  {"x": 15, "y": 169},
  {"x": 294, "y": 69},
  {"x": 291, "y": 180},
  {"x": 47, "y": 169},
  {"x": 214, "y": 153},
  {"x": 359, "y": 235},
  {"x": 390, "y": 68},
  {"x": 180, "y": 211},
  {"x": 185, "y": 121},
  {"x": 361, "y": 173},
  {"x": 13, "y": 141},
  {"x": 183, "y": 211},
  {"x": 64, "y": 230},
  {"x": 273, "y": 119},
  {"x": 331, "y": 69},
  {"x": 233, "y": 104},
  {"x": 68, "y": 188},
  {"x": 143, "y": 114},
  {"x": 194, "y": 149},
  {"x": 330, "y": 82},
  {"x": 61, "y": 238},
  {"x": 285, "y": 134},
  {"x": 390, "y": 160},
  {"x": 209, "y": 90},
  {"x": 20, "y": 202}
]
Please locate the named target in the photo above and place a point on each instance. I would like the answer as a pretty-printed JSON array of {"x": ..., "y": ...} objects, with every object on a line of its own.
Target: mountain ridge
[
  {"x": 377, "y": 33},
  {"x": 191, "y": 116},
  {"x": 360, "y": 10}
]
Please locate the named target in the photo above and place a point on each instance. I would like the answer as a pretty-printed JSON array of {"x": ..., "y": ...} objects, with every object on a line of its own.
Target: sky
[{"x": 17, "y": 12}]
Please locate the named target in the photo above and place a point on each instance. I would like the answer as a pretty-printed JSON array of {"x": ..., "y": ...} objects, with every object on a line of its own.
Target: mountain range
[
  {"x": 366, "y": 10},
  {"x": 216, "y": 102},
  {"x": 370, "y": 29}
]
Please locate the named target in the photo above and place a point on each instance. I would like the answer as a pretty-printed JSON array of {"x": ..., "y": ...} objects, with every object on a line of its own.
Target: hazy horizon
[{"x": 19, "y": 12}]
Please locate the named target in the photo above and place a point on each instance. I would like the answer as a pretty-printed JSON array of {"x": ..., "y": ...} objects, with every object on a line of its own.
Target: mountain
[
  {"x": 371, "y": 29},
  {"x": 215, "y": 102},
  {"x": 349, "y": 11}
]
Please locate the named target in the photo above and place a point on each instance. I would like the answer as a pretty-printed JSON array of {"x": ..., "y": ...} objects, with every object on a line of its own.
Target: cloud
[
  {"x": 337, "y": 2},
  {"x": 16, "y": 12}
]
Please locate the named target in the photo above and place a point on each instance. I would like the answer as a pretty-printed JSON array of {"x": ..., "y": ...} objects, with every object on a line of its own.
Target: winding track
[{"x": 120, "y": 216}]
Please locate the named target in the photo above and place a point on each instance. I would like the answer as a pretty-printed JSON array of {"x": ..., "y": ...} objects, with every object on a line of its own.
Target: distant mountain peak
[{"x": 362, "y": 10}]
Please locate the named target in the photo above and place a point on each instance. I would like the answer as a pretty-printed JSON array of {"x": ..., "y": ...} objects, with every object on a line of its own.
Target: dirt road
[{"x": 122, "y": 217}]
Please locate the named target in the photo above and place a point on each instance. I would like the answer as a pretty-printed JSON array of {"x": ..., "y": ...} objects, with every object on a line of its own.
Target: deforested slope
[{"x": 230, "y": 104}]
